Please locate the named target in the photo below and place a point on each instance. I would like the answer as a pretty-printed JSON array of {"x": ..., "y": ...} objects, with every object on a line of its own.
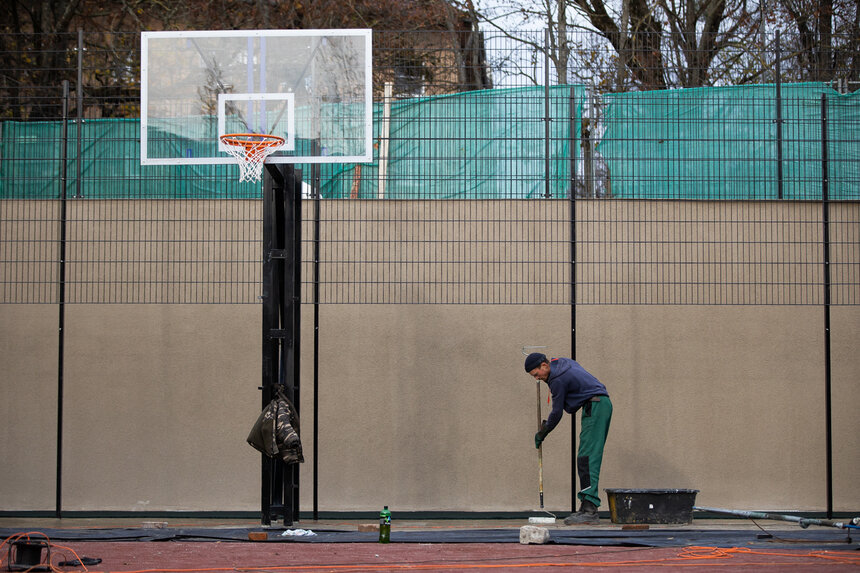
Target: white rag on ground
[{"x": 297, "y": 532}]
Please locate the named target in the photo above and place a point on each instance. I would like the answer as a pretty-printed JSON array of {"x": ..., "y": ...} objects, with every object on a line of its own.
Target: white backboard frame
[{"x": 150, "y": 39}]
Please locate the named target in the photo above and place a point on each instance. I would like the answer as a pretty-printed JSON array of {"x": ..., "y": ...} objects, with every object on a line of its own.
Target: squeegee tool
[{"x": 539, "y": 519}]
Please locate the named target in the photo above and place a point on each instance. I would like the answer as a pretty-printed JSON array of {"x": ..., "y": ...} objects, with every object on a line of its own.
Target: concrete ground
[{"x": 217, "y": 545}]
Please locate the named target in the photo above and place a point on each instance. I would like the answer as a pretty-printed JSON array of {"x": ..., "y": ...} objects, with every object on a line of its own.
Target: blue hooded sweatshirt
[{"x": 571, "y": 386}]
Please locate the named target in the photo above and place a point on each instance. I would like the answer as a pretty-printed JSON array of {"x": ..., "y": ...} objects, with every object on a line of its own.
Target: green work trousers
[{"x": 595, "y": 426}]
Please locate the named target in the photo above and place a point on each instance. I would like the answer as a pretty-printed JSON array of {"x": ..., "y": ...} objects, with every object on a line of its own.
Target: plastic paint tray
[{"x": 651, "y": 505}]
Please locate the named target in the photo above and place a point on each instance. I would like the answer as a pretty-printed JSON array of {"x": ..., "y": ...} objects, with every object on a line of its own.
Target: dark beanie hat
[{"x": 534, "y": 360}]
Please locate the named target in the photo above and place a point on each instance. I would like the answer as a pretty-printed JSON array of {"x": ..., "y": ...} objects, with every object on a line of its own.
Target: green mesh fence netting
[
  {"x": 702, "y": 143},
  {"x": 487, "y": 144},
  {"x": 473, "y": 145},
  {"x": 723, "y": 143}
]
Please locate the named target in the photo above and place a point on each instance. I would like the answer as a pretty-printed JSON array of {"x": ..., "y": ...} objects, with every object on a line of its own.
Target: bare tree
[
  {"x": 39, "y": 39},
  {"x": 547, "y": 33},
  {"x": 822, "y": 40},
  {"x": 649, "y": 44},
  {"x": 34, "y": 49}
]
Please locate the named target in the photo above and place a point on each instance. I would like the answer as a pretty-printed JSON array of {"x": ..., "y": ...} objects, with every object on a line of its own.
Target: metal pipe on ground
[{"x": 804, "y": 522}]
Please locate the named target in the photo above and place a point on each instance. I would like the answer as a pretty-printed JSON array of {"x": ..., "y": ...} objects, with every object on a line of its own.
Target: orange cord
[
  {"x": 686, "y": 557},
  {"x": 27, "y": 536}
]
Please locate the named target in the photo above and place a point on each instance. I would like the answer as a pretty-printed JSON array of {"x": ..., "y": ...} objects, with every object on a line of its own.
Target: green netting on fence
[
  {"x": 474, "y": 145},
  {"x": 30, "y": 162},
  {"x": 487, "y": 144},
  {"x": 722, "y": 143},
  {"x": 110, "y": 168},
  {"x": 703, "y": 143}
]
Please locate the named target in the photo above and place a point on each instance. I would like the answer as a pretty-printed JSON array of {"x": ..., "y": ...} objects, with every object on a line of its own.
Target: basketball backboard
[{"x": 311, "y": 87}]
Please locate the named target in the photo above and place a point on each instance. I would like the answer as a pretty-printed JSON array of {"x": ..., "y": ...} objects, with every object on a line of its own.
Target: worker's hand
[{"x": 539, "y": 437}]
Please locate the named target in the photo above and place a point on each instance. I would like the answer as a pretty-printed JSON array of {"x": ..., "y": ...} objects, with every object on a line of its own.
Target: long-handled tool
[
  {"x": 540, "y": 448},
  {"x": 540, "y": 519}
]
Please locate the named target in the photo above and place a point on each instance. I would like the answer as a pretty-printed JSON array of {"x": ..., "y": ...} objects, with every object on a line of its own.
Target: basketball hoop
[{"x": 251, "y": 151}]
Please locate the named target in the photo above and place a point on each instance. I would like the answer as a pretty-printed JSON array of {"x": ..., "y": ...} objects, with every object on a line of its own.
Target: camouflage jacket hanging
[{"x": 276, "y": 431}]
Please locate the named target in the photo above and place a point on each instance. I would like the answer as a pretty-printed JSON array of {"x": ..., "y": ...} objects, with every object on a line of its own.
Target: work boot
[{"x": 587, "y": 515}]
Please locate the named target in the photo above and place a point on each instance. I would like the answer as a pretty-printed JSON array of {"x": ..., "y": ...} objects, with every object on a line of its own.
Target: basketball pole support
[{"x": 281, "y": 297}]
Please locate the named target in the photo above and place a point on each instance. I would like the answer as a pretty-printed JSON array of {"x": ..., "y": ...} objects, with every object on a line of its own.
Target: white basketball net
[{"x": 251, "y": 151}]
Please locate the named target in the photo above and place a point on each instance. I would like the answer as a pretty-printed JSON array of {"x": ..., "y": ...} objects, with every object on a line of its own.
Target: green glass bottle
[{"x": 384, "y": 525}]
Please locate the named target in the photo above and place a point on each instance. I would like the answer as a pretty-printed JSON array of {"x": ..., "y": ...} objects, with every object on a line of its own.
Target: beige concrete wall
[
  {"x": 28, "y": 406},
  {"x": 845, "y": 329},
  {"x": 722, "y": 399},
  {"x": 159, "y": 400},
  {"x": 426, "y": 406},
  {"x": 726, "y": 400}
]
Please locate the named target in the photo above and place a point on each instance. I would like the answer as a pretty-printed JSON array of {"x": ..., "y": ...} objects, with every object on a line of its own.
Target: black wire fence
[{"x": 505, "y": 171}]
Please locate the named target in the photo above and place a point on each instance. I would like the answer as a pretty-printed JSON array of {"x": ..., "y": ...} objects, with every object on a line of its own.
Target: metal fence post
[
  {"x": 572, "y": 231},
  {"x": 316, "y": 181},
  {"x": 547, "y": 48},
  {"x": 778, "y": 82},
  {"x": 61, "y": 287},
  {"x": 825, "y": 218},
  {"x": 79, "y": 120}
]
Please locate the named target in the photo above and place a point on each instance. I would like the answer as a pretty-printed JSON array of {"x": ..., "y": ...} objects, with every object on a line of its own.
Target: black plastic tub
[{"x": 669, "y": 506}]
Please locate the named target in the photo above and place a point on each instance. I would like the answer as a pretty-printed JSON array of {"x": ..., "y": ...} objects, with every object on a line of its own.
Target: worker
[{"x": 572, "y": 387}]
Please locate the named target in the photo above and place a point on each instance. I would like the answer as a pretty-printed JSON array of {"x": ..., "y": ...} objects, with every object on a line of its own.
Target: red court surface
[
  {"x": 279, "y": 554},
  {"x": 257, "y": 557}
]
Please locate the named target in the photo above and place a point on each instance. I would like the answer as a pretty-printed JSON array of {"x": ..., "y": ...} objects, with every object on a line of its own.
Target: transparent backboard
[{"x": 311, "y": 87}]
